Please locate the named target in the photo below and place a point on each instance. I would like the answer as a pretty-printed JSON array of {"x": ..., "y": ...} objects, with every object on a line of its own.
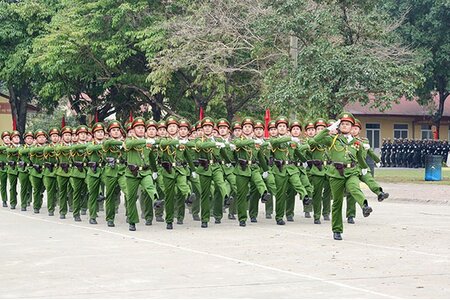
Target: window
[
  {"x": 373, "y": 134},
  {"x": 400, "y": 131},
  {"x": 426, "y": 132}
]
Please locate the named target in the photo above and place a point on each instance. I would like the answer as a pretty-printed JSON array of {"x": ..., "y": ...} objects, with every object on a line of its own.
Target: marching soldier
[
  {"x": 141, "y": 170},
  {"x": 4, "y": 167},
  {"x": 64, "y": 170},
  {"x": 36, "y": 169},
  {"x": 284, "y": 149},
  {"x": 24, "y": 165},
  {"x": 49, "y": 173},
  {"x": 345, "y": 153},
  {"x": 78, "y": 173},
  {"x": 13, "y": 159}
]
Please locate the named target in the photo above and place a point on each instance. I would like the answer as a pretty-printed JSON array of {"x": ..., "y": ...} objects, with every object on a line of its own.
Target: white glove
[
  {"x": 366, "y": 146},
  {"x": 183, "y": 142},
  {"x": 194, "y": 175},
  {"x": 228, "y": 165},
  {"x": 155, "y": 175},
  {"x": 233, "y": 147},
  {"x": 259, "y": 141},
  {"x": 305, "y": 165},
  {"x": 334, "y": 126},
  {"x": 265, "y": 174},
  {"x": 220, "y": 145},
  {"x": 378, "y": 165},
  {"x": 150, "y": 141},
  {"x": 364, "y": 171},
  {"x": 295, "y": 139}
]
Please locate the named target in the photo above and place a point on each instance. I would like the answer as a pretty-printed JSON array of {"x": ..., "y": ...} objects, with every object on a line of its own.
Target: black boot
[
  {"x": 227, "y": 201},
  {"x": 231, "y": 217},
  {"x": 253, "y": 220},
  {"x": 51, "y": 214},
  {"x": 265, "y": 197},
  {"x": 290, "y": 218},
  {"x": 242, "y": 223},
  {"x": 317, "y": 221},
  {"x": 169, "y": 226},
  {"x": 196, "y": 217},
  {"x": 307, "y": 215},
  {"x": 350, "y": 220},
  {"x": 148, "y": 222},
  {"x": 268, "y": 216},
  {"x": 326, "y": 217},
  {"x": 5, "y": 204},
  {"x": 22, "y": 209},
  {"x": 190, "y": 199},
  {"x": 132, "y": 227},
  {"x": 179, "y": 222},
  {"x": 36, "y": 211},
  {"x": 217, "y": 221},
  {"x": 366, "y": 209},
  {"x": 307, "y": 200},
  {"x": 337, "y": 236},
  {"x": 382, "y": 196},
  {"x": 204, "y": 225},
  {"x": 92, "y": 221},
  {"x": 159, "y": 219},
  {"x": 77, "y": 218},
  {"x": 110, "y": 224},
  {"x": 280, "y": 222},
  {"x": 62, "y": 216}
]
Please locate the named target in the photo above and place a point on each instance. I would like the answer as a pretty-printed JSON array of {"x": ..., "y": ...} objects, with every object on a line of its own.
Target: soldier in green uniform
[
  {"x": 12, "y": 153},
  {"x": 295, "y": 128},
  {"x": 269, "y": 180},
  {"x": 175, "y": 161},
  {"x": 248, "y": 173},
  {"x": 345, "y": 153},
  {"x": 366, "y": 178},
  {"x": 223, "y": 128},
  {"x": 152, "y": 133},
  {"x": 94, "y": 174},
  {"x": 37, "y": 168},
  {"x": 284, "y": 150},
  {"x": 24, "y": 166},
  {"x": 4, "y": 167},
  {"x": 318, "y": 163},
  {"x": 141, "y": 169},
  {"x": 64, "y": 170},
  {"x": 114, "y": 171},
  {"x": 49, "y": 173},
  {"x": 78, "y": 173},
  {"x": 210, "y": 153}
]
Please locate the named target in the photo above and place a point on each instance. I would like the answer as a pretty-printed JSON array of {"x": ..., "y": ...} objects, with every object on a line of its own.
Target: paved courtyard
[{"x": 401, "y": 250}]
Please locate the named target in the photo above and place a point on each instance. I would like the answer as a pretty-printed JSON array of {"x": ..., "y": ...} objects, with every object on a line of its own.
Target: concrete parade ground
[{"x": 401, "y": 251}]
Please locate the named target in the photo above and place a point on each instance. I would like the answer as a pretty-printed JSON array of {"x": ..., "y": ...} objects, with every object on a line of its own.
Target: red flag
[
  {"x": 267, "y": 119},
  {"x": 63, "y": 122},
  {"x": 131, "y": 117},
  {"x": 96, "y": 116},
  {"x": 202, "y": 115},
  {"x": 14, "y": 123}
]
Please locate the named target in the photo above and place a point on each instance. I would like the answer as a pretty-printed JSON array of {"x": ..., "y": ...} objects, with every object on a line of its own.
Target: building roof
[{"x": 403, "y": 108}]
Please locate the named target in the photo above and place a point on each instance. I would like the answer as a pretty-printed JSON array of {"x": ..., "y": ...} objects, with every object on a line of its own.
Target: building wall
[{"x": 5, "y": 114}]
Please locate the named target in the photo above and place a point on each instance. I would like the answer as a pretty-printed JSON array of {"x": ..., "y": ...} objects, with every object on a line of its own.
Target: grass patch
[{"x": 409, "y": 175}]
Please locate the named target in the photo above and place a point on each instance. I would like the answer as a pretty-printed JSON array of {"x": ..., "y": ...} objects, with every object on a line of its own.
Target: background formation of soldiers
[
  {"x": 408, "y": 153},
  {"x": 207, "y": 169}
]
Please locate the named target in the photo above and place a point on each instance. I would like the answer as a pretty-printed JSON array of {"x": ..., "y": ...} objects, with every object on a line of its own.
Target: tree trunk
[
  {"x": 443, "y": 94},
  {"x": 19, "y": 98}
]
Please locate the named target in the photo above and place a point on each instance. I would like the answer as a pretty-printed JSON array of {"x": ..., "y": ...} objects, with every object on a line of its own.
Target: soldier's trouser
[
  {"x": 205, "y": 186},
  {"x": 50, "y": 186},
  {"x": 373, "y": 186},
  {"x": 93, "y": 186},
  {"x": 326, "y": 203},
  {"x": 63, "y": 185},
  {"x": 309, "y": 189},
  {"x": 133, "y": 183},
  {"x": 3, "y": 185},
  {"x": 281, "y": 195},
  {"x": 25, "y": 189},
  {"x": 12, "y": 189},
  {"x": 38, "y": 191},
  {"x": 79, "y": 190},
  {"x": 318, "y": 184},
  {"x": 338, "y": 187},
  {"x": 230, "y": 179},
  {"x": 195, "y": 183},
  {"x": 176, "y": 190},
  {"x": 113, "y": 186},
  {"x": 272, "y": 188}
]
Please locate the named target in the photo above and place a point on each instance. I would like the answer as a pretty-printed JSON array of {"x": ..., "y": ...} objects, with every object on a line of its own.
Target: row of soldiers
[
  {"x": 408, "y": 153},
  {"x": 208, "y": 167}
]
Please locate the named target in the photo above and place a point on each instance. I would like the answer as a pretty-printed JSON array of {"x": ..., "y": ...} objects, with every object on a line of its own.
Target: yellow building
[
  {"x": 407, "y": 119},
  {"x": 5, "y": 112}
]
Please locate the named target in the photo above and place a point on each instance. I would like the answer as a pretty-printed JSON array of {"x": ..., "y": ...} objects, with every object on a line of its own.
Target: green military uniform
[
  {"x": 78, "y": 174},
  {"x": 318, "y": 163},
  {"x": 210, "y": 154},
  {"x": 284, "y": 151},
  {"x": 175, "y": 161},
  {"x": 270, "y": 179},
  {"x": 50, "y": 167},
  {"x": 36, "y": 171},
  {"x": 114, "y": 173},
  {"x": 194, "y": 180},
  {"x": 248, "y": 175},
  {"x": 24, "y": 166},
  {"x": 94, "y": 174},
  {"x": 12, "y": 153},
  {"x": 140, "y": 164},
  {"x": 346, "y": 153},
  {"x": 4, "y": 170},
  {"x": 63, "y": 172},
  {"x": 290, "y": 200}
]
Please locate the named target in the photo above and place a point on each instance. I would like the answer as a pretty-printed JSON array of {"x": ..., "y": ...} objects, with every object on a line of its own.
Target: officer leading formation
[{"x": 210, "y": 169}]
